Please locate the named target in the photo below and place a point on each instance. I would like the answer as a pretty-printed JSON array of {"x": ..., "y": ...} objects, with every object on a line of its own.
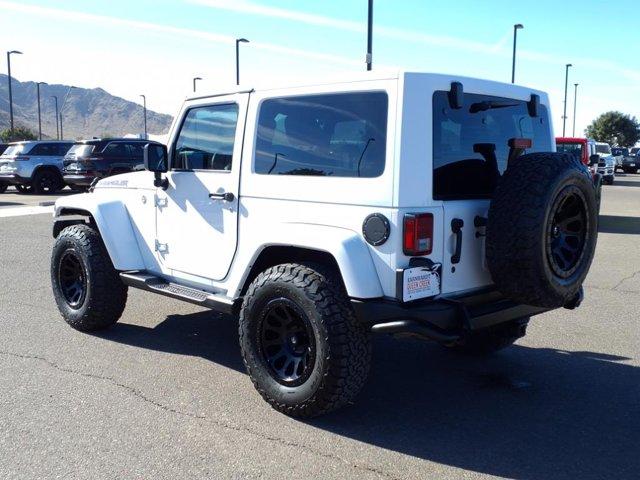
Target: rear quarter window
[
  {"x": 339, "y": 135},
  {"x": 471, "y": 144}
]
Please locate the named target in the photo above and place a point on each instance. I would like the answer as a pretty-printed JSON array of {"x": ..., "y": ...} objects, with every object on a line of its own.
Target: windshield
[
  {"x": 13, "y": 150},
  {"x": 80, "y": 150},
  {"x": 603, "y": 149},
  {"x": 573, "y": 148}
]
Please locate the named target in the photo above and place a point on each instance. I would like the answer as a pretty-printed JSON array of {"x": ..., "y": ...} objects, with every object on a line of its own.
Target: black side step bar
[{"x": 151, "y": 283}]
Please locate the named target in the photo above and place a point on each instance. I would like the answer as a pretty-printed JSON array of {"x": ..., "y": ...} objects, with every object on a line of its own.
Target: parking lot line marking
[{"x": 22, "y": 211}]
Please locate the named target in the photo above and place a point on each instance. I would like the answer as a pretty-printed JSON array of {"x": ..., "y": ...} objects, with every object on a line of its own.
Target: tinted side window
[
  {"x": 471, "y": 144},
  {"x": 115, "y": 150},
  {"x": 342, "y": 135},
  {"x": 206, "y": 138},
  {"x": 45, "y": 150},
  {"x": 135, "y": 151}
]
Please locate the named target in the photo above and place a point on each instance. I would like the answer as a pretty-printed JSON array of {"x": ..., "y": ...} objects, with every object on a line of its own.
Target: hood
[{"x": 142, "y": 180}]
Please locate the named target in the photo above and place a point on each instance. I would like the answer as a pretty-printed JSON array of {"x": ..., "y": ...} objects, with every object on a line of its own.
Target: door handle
[
  {"x": 456, "y": 228},
  {"x": 225, "y": 196}
]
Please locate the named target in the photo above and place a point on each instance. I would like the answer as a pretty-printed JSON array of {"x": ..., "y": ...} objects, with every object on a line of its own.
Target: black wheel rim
[
  {"x": 23, "y": 188},
  {"x": 72, "y": 279},
  {"x": 567, "y": 233},
  {"x": 287, "y": 342},
  {"x": 46, "y": 182}
]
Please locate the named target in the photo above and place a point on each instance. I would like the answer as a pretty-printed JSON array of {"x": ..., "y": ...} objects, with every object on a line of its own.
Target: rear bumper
[
  {"x": 80, "y": 180},
  {"x": 444, "y": 319}
]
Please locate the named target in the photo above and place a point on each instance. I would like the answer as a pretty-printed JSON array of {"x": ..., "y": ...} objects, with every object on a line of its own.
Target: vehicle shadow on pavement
[
  {"x": 626, "y": 183},
  {"x": 206, "y": 334},
  {"x": 525, "y": 413},
  {"x": 618, "y": 224}
]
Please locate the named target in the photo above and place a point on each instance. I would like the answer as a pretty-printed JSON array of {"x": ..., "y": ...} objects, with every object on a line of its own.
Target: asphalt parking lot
[{"x": 164, "y": 394}]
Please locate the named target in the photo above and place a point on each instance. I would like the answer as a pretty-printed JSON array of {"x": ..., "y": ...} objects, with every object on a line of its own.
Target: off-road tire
[
  {"x": 492, "y": 339},
  {"x": 105, "y": 295},
  {"x": 342, "y": 344},
  {"x": 608, "y": 180},
  {"x": 520, "y": 222},
  {"x": 47, "y": 181},
  {"x": 3, "y": 186}
]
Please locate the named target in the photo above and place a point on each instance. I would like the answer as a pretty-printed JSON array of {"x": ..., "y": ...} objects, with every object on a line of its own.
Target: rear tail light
[{"x": 418, "y": 234}]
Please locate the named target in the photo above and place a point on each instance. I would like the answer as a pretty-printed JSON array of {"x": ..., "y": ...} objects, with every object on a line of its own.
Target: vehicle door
[
  {"x": 471, "y": 151},
  {"x": 197, "y": 215}
]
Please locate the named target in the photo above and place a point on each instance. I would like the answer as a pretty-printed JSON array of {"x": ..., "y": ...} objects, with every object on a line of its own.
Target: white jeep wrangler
[{"x": 415, "y": 203}]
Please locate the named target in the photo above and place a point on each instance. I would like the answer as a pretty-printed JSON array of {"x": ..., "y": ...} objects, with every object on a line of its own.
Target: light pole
[
  {"x": 57, "y": 124},
  {"x": 566, "y": 84},
  {"x": 516, "y": 27},
  {"x": 39, "y": 117},
  {"x": 144, "y": 114},
  {"x": 16, "y": 52},
  {"x": 238, "y": 42},
  {"x": 575, "y": 103},
  {"x": 64, "y": 102},
  {"x": 194, "y": 83},
  {"x": 370, "y": 36}
]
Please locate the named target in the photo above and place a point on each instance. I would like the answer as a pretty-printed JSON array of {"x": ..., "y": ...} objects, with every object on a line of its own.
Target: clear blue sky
[{"x": 156, "y": 47}]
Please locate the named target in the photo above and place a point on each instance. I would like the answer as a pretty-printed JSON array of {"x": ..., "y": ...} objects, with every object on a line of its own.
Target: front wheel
[
  {"x": 3, "y": 186},
  {"x": 86, "y": 286},
  {"x": 302, "y": 345}
]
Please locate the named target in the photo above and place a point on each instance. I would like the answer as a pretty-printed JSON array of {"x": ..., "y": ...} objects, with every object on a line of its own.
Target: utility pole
[
  {"x": 516, "y": 27},
  {"x": 64, "y": 102},
  {"x": 39, "y": 115},
  {"x": 566, "y": 84},
  {"x": 57, "y": 121},
  {"x": 144, "y": 114},
  {"x": 370, "y": 36},
  {"x": 16, "y": 52},
  {"x": 238, "y": 42},
  {"x": 575, "y": 107}
]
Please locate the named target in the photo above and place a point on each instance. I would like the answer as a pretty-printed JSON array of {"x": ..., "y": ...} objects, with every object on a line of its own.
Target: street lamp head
[
  {"x": 43, "y": 83},
  {"x": 16, "y": 52},
  {"x": 197, "y": 78},
  {"x": 569, "y": 65},
  {"x": 242, "y": 40},
  {"x": 518, "y": 26}
]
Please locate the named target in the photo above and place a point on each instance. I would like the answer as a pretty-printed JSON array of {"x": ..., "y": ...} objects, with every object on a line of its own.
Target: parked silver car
[{"x": 34, "y": 166}]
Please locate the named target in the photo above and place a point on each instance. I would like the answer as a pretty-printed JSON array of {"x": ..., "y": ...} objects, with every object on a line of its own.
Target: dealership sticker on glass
[{"x": 419, "y": 282}]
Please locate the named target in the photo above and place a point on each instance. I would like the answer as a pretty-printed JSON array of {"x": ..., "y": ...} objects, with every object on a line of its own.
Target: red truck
[{"x": 584, "y": 150}]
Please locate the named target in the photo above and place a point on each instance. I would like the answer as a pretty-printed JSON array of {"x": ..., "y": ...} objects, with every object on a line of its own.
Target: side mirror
[
  {"x": 594, "y": 159},
  {"x": 156, "y": 160}
]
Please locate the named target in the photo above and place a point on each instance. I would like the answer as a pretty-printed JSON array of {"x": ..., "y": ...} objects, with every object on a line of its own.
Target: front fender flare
[{"x": 114, "y": 224}]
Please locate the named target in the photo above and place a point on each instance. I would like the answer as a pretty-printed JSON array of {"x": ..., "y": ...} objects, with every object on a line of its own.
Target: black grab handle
[{"x": 456, "y": 228}]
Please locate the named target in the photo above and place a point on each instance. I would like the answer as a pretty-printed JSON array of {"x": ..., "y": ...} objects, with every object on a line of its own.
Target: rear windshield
[
  {"x": 471, "y": 144},
  {"x": 81, "y": 150},
  {"x": 573, "y": 148},
  {"x": 14, "y": 150},
  {"x": 620, "y": 151},
  {"x": 603, "y": 149}
]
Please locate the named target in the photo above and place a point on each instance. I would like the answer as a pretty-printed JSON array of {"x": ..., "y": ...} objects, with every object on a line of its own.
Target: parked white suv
[
  {"x": 416, "y": 203},
  {"x": 34, "y": 165}
]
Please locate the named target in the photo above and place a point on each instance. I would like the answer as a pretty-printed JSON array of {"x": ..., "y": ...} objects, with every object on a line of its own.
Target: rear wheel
[
  {"x": 301, "y": 343},
  {"x": 609, "y": 180},
  {"x": 47, "y": 181},
  {"x": 3, "y": 187},
  {"x": 86, "y": 286}
]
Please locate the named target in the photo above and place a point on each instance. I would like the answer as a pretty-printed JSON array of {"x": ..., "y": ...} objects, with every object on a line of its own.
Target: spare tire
[{"x": 542, "y": 229}]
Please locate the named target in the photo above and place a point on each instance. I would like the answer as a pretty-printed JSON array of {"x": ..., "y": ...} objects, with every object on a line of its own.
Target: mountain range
[{"x": 87, "y": 113}]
